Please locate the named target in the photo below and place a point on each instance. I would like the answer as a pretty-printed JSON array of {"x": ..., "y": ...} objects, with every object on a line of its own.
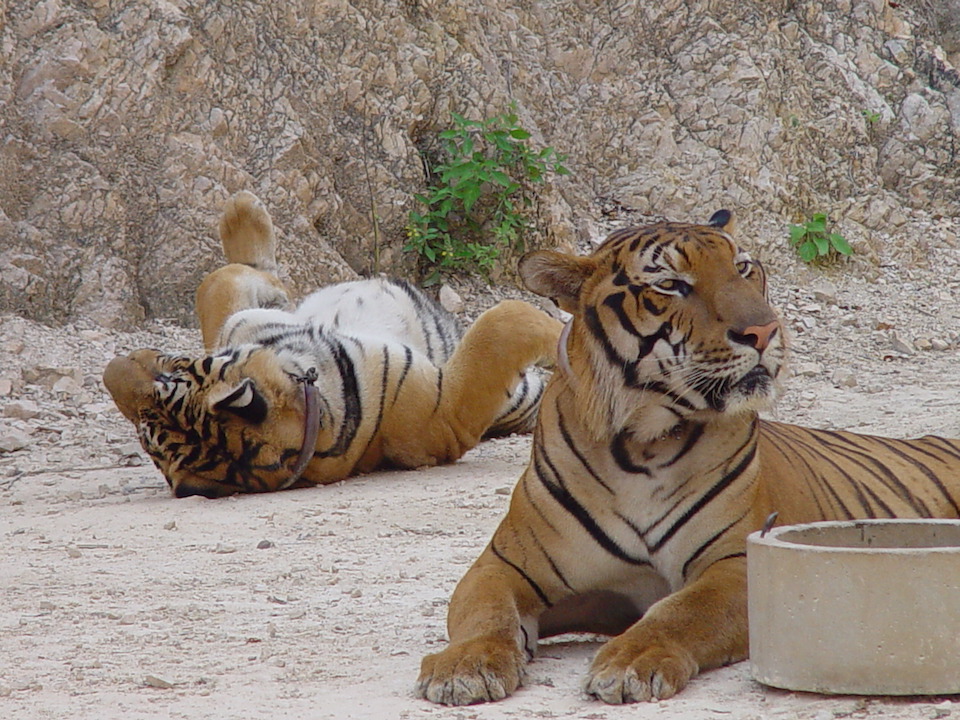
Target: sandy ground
[{"x": 122, "y": 602}]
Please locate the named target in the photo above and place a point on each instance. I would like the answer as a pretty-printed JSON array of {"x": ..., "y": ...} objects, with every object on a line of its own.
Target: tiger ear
[
  {"x": 243, "y": 400},
  {"x": 724, "y": 220},
  {"x": 556, "y": 276}
]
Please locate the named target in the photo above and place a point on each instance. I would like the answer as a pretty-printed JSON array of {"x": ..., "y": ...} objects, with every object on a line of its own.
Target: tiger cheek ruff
[{"x": 649, "y": 468}]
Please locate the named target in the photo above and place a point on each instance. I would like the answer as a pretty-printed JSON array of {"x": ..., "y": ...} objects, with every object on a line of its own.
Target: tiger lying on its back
[
  {"x": 362, "y": 375},
  {"x": 649, "y": 469}
]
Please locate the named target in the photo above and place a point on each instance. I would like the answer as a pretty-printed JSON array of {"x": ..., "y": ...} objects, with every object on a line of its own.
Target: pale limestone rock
[
  {"x": 21, "y": 410},
  {"x": 900, "y": 345},
  {"x": 450, "y": 300},
  {"x": 127, "y": 126},
  {"x": 824, "y": 291},
  {"x": 844, "y": 378},
  {"x": 12, "y": 440},
  {"x": 808, "y": 369}
]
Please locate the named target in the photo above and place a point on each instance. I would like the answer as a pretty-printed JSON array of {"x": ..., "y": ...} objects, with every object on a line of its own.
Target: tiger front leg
[
  {"x": 704, "y": 625},
  {"x": 492, "y": 631}
]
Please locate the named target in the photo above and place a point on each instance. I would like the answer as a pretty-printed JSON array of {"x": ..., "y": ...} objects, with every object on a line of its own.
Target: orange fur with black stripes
[
  {"x": 649, "y": 469},
  {"x": 360, "y": 376}
]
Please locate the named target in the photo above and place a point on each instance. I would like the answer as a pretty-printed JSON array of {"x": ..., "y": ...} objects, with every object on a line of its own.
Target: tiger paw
[
  {"x": 626, "y": 672},
  {"x": 471, "y": 672}
]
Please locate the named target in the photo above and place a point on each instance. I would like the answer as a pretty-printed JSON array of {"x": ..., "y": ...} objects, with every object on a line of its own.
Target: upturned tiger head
[
  {"x": 235, "y": 421},
  {"x": 670, "y": 322}
]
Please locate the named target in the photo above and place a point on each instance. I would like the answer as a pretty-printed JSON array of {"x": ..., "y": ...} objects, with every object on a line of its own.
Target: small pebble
[
  {"x": 808, "y": 369},
  {"x": 825, "y": 292},
  {"x": 450, "y": 300},
  {"x": 155, "y": 682},
  {"x": 844, "y": 377},
  {"x": 67, "y": 386},
  {"x": 898, "y": 344}
]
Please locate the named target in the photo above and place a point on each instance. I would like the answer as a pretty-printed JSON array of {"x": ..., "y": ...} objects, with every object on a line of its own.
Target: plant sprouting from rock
[
  {"x": 813, "y": 242},
  {"x": 480, "y": 196}
]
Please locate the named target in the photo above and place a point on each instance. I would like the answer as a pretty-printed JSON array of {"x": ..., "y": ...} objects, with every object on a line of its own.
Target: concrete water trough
[{"x": 863, "y": 607}]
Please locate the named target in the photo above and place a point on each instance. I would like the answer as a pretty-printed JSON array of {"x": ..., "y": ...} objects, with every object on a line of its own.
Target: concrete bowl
[{"x": 863, "y": 607}]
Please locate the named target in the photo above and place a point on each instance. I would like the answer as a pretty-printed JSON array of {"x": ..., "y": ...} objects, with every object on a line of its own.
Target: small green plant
[
  {"x": 871, "y": 116},
  {"x": 813, "y": 242},
  {"x": 478, "y": 203}
]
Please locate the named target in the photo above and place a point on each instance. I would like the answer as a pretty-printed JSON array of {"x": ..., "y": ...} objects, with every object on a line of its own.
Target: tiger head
[
  {"x": 235, "y": 421},
  {"x": 670, "y": 322}
]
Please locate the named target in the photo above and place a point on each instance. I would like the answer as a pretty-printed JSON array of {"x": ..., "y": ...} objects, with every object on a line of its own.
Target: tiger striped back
[{"x": 815, "y": 475}]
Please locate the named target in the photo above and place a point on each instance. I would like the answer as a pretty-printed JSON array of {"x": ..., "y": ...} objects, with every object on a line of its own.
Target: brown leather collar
[{"x": 311, "y": 426}]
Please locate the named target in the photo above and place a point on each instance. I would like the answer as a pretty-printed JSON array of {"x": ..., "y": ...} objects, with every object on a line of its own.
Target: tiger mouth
[
  {"x": 756, "y": 383},
  {"x": 758, "y": 379}
]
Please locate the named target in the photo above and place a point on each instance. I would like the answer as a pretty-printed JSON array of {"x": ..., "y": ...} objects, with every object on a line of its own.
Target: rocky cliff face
[{"x": 125, "y": 126}]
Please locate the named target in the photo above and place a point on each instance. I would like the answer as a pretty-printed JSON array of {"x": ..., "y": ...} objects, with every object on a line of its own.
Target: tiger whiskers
[{"x": 608, "y": 406}]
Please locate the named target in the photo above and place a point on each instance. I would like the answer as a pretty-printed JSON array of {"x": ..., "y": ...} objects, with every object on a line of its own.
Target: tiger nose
[{"x": 757, "y": 336}]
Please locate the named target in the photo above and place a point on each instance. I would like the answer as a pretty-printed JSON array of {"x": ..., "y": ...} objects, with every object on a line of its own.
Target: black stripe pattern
[
  {"x": 643, "y": 458},
  {"x": 366, "y": 340}
]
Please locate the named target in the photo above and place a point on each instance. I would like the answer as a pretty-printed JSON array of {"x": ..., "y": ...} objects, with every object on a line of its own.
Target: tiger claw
[
  {"x": 469, "y": 673},
  {"x": 619, "y": 676}
]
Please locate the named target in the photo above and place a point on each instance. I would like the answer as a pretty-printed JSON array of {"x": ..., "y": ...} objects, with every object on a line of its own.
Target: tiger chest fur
[{"x": 634, "y": 501}]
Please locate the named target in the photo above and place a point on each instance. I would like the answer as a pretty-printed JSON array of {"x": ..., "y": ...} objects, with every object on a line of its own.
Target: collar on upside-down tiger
[{"x": 649, "y": 469}]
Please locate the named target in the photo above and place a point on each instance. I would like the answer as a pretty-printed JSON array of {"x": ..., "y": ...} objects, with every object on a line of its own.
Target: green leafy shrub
[
  {"x": 813, "y": 242},
  {"x": 478, "y": 202}
]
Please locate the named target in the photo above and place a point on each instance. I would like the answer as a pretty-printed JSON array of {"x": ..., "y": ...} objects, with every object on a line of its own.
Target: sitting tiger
[
  {"x": 362, "y": 375},
  {"x": 649, "y": 469}
]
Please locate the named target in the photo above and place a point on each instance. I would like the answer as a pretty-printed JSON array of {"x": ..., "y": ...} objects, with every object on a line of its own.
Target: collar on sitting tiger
[
  {"x": 311, "y": 426},
  {"x": 563, "y": 357}
]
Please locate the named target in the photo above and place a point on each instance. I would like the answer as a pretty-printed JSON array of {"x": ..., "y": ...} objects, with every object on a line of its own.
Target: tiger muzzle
[{"x": 130, "y": 383}]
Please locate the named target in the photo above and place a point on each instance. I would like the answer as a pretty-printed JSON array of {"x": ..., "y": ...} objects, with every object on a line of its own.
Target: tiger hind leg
[
  {"x": 519, "y": 414},
  {"x": 249, "y": 279},
  {"x": 490, "y": 388}
]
